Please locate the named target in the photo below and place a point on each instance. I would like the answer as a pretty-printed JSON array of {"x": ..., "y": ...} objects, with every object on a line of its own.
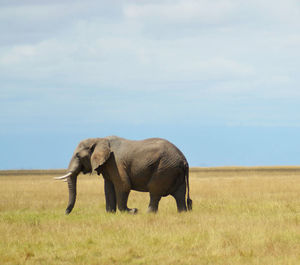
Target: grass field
[{"x": 240, "y": 216}]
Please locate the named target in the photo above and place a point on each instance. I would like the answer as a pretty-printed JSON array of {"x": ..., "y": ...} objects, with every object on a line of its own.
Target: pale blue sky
[{"x": 220, "y": 79}]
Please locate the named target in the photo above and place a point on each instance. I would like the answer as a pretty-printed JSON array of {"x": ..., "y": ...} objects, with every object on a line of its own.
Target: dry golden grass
[{"x": 240, "y": 216}]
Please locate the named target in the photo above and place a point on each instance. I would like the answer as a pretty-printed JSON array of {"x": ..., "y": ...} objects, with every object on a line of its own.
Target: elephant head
[{"x": 89, "y": 155}]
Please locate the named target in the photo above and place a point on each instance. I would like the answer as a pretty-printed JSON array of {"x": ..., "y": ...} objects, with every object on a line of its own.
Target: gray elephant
[{"x": 152, "y": 165}]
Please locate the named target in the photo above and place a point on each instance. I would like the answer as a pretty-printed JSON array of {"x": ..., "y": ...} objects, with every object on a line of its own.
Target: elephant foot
[
  {"x": 133, "y": 211},
  {"x": 130, "y": 211}
]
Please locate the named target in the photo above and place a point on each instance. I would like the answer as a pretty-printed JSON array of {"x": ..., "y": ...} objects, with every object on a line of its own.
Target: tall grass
[{"x": 244, "y": 218}]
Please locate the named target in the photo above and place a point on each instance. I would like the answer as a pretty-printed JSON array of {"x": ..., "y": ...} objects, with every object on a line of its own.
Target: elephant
[{"x": 152, "y": 165}]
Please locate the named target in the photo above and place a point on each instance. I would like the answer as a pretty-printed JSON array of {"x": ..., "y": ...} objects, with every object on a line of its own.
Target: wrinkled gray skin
[{"x": 152, "y": 165}]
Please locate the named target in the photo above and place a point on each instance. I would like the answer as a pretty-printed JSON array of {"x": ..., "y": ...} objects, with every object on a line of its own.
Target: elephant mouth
[
  {"x": 99, "y": 170},
  {"x": 85, "y": 171}
]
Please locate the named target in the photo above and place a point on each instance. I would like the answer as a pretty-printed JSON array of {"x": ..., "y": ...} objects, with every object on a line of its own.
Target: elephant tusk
[{"x": 64, "y": 177}]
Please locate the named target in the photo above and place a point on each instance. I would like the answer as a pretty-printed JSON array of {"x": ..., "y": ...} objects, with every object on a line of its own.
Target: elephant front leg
[
  {"x": 110, "y": 196},
  {"x": 122, "y": 198}
]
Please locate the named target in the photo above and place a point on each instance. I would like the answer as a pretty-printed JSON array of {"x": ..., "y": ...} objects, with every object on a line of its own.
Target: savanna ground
[{"x": 240, "y": 216}]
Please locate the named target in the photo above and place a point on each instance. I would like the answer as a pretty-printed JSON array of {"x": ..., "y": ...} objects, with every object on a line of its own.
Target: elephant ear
[{"x": 100, "y": 154}]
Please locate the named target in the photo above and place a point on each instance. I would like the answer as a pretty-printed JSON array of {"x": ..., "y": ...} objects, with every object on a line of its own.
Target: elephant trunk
[
  {"x": 74, "y": 168},
  {"x": 72, "y": 183}
]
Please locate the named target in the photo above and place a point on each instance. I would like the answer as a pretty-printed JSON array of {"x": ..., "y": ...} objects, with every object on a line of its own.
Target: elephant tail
[{"x": 189, "y": 202}]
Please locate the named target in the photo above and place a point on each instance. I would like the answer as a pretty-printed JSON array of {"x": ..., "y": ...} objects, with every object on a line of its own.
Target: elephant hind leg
[
  {"x": 154, "y": 201},
  {"x": 179, "y": 196}
]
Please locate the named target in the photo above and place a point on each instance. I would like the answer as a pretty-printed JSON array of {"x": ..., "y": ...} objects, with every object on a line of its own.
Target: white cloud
[
  {"x": 188, "y": 10},
  {"x": 192, "y": 50},
  {"x": 278, "y": 11}
]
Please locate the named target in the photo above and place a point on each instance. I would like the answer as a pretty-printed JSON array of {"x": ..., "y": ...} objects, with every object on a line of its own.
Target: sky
[{"x": 220, "y": 79}]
